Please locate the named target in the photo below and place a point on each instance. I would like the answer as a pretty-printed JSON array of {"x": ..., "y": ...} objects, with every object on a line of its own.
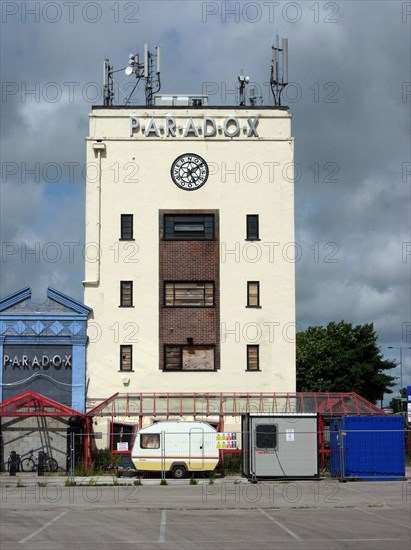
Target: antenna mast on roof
[
  {"x": 108, "y": 90},
  {"x": 142, "y": 71},
  {"x": 279, "y": 78},
  {"x": 243, "y": 80}
]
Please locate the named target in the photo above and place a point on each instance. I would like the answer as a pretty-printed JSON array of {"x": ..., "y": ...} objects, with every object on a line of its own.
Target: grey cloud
[{"x": 362, "y": 62}]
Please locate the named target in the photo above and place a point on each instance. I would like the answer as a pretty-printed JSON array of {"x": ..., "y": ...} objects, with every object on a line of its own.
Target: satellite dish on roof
[{"x": 141, "y": 70}]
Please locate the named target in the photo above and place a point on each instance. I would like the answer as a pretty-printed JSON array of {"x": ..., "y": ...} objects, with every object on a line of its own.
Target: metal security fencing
[
  {"x": 266, "y": 451},
  {"x": 369, "y": 454},
  {"x": 171, "y": 450}
]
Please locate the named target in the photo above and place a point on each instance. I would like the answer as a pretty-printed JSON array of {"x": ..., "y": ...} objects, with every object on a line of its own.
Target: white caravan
[{"x": 178, "y": 447}]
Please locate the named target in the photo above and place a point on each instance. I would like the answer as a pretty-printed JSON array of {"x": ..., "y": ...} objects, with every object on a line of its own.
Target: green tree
[{"x": 342, "y": 358}]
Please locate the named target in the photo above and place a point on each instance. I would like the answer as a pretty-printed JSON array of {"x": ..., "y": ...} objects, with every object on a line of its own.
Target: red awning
[{"x": 30, "y": 403}]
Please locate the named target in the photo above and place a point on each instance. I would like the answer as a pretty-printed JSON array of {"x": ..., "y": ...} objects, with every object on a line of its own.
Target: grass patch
[
  {"x": 232, "y": 464},
  {"x": 71, "y": 483},
  {"x": 343, "y": 507},
  {"x": 102, "y": 464},
  {"x": 68, "y": 482},
  {"x": 163, "y": 482}
]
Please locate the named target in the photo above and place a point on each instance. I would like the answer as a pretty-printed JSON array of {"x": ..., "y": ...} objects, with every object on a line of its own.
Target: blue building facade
[{"x": 43, "y": 347}]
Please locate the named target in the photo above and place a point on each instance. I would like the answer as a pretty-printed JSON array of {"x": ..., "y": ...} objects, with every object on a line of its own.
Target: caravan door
[{"x": 196, "y": 449}]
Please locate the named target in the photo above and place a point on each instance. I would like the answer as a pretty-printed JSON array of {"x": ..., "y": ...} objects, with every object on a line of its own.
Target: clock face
[{"x": 189, "y": 171}]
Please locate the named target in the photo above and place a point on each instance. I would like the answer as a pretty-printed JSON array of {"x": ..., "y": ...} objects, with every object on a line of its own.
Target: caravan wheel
[{"x": 179, "y": 472}]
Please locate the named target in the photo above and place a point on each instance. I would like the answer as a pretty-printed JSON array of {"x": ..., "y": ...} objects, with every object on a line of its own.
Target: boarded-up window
[
  {"x": 126, "y": 293},
  {"x": 189, "y": 294},
  {"x": 189, "y": 357},
  {"x": 189, "y": 227},
  {"x": 198, "y": 358},
  {"x": 126, "y": 358},
  {"x": 172, "y": 358},
  {"x": 253, "y": 294},
  {"x": 253, "y": 360}
]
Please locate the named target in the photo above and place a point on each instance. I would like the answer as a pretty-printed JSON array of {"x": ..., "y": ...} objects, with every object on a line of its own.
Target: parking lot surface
[{"x": 230, "y": 513}]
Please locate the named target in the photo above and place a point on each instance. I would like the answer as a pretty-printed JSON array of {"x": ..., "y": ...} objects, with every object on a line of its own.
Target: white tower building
[{"x": 190, "y": 248}]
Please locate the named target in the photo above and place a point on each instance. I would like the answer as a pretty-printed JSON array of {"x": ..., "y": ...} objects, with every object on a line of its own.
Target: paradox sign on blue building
[{"x": 43, "y": 347}]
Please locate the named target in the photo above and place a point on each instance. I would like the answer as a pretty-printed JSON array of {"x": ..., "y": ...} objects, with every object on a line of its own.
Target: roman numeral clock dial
[{"x": 189, "y": 172}]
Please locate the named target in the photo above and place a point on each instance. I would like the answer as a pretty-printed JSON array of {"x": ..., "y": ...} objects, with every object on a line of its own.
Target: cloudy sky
[{"x": 349, "y": 93}]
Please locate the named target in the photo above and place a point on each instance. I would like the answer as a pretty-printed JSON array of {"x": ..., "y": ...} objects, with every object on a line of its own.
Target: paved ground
[{"x": 231, "y": 513}]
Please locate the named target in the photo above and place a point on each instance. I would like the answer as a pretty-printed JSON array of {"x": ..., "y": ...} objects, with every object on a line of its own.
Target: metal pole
[
  {"x": 163, "y": 457},
  {"x": 401, "y": 376},
  {"x": 252, "y": 436},
  {"x": 72, "y": 443},
  {"x": 342, "y": 462}
]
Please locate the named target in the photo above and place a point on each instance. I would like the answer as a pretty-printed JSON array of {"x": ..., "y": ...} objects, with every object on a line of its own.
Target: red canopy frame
[
  {"x": 30, "y": 403},
  {"x": 198, "y": 404}
]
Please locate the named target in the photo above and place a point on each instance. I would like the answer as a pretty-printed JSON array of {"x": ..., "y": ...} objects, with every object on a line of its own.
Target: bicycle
[{"x": 29, "y": 463}]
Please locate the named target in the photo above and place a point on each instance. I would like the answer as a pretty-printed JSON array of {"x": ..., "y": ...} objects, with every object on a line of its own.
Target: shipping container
[{"x": 367, "y": 447}]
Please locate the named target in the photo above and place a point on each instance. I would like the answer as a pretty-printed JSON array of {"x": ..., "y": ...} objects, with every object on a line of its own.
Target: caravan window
[
  {"x": 150, "y": 441},
  {"x": 266, "y": 436}
]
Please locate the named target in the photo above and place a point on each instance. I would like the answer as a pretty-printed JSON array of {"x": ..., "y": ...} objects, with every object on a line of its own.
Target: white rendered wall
[{"x": 248, "y": 175}]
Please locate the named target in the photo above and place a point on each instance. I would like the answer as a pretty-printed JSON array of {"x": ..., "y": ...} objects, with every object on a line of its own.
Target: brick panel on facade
[{"x": 189, "y": 261}]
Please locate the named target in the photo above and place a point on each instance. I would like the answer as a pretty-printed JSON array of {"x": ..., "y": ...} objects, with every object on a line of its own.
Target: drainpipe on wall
[{"x": 98, "y": 147}]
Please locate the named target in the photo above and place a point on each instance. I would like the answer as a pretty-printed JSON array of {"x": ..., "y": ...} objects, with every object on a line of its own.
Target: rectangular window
[
  {"x": 266, "y": 436},
  {"x": 252, "y": 227},
  {"x": 189, "y": 294},
  {"x": 253, "y": 359},
  {"x": 253, "y": 294},
  {"x": 189, "y": 357},
  {"x": 126, "y": 293},
  {"x": 189, "y": 227},
  {"x": 150, "y": 441},
  {"x": 126, "y": 358},
  {"x": 127, "y": 227},
  {"x": 121, "y": 433}
]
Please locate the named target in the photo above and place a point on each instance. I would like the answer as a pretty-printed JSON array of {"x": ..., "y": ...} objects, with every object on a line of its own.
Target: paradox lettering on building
[
  {"x": 44, "y": 362},
  {"x": 206, "y": 126},
  {"x": 43, "y": 347}
]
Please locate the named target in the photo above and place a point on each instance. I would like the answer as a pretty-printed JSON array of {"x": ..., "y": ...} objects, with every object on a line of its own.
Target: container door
[
  {"x": 335, "y": 449},
  {"x": 264, "y": 446},
  {"x": 196, "y": 449},
  {"x": 285, "y": 446}
]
